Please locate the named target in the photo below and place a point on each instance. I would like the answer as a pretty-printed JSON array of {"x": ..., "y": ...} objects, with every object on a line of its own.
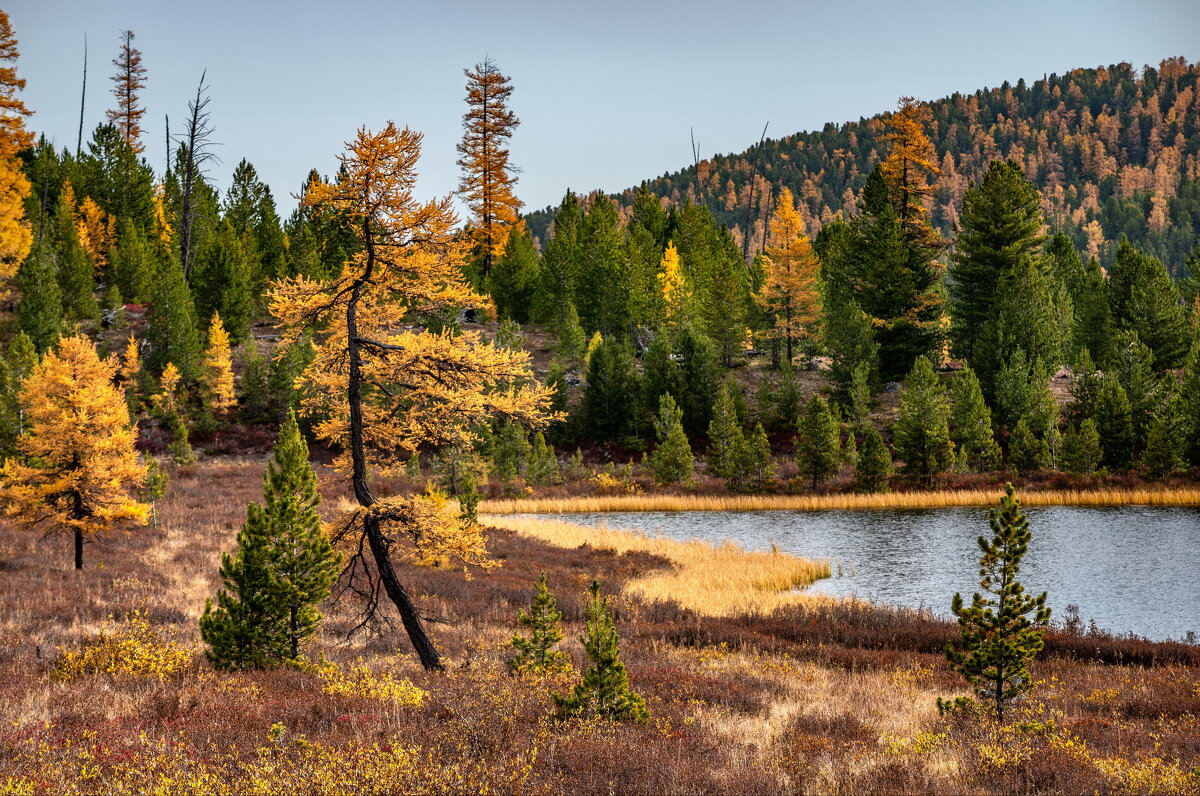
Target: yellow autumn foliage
[
  {"x": 80, "y": 468},
  {"x": 218, "y": 369},
  {"x": 16, "y": 239},
  {"x": 132, "y": 647},
  {"x": 790, "y": 290}
]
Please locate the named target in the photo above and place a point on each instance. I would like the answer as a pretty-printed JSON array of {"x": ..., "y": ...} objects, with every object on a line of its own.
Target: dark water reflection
[{"x": 1132, "y": 569}]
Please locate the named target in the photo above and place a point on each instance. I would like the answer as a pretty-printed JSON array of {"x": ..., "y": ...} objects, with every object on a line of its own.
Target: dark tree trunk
[
  {"x": 379, "y": 545},
  {"x": 78, "y": 549}
]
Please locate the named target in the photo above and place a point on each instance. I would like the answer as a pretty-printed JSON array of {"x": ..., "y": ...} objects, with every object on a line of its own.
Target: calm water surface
[{"x": 1131, "y": 569}]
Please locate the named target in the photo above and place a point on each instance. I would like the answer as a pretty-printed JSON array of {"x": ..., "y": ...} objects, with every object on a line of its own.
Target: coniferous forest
[{"x": 281, "y": 478}]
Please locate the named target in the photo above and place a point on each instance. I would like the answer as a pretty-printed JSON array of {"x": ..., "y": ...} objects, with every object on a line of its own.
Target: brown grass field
[{"x": 781, "y": 695}]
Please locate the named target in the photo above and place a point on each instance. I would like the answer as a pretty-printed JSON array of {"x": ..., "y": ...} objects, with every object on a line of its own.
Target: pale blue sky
[{"x": 606, "y": 91}]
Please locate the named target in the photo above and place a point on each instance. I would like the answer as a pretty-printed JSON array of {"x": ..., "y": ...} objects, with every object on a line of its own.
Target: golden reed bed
[
  {"x": 889, "y": 500},
  {"x": 712, "y": 579}
]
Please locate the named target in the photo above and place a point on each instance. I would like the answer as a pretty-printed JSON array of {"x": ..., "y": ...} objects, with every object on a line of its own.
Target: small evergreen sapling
[
  {"x": 1001, "y": 633},
  {"x": 605, "y": 691},
  {"x": 754, "y": 466},
  {"x": 1081, "y": 449},
  {"x": 284, "y": 566},
  {"x": 536, "y": 654}
]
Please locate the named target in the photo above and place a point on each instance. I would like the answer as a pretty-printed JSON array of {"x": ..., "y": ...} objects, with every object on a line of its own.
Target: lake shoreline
[{"x": 935, "y": 499}]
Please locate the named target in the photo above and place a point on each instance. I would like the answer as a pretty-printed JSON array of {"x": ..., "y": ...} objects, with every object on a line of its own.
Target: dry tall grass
[
  {"x": 843, "y": 502},
  {"x": 713, "y": 580}
]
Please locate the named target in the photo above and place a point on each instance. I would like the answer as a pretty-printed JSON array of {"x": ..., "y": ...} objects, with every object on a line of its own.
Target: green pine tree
[
  {"x": 1093, "y": 315},
  {"x": 607, "y": 411},
  {"x": 536, "y": 654},
  {"x": 1026, "y": 453},
  {"x": 40, "y": 313},
  {"x": 510, "y": 455},
  {"x": 284, "y": 567},
  {"x": 1001, "y": 632},
  {"x": 543, "y": 464},
  {"x": 724, "y": 435},
  {"x": 1189, "y": 396},
  {"x": 1114, "y": 421},
  {"x": 1001, "y": 226},
  {"x": 672, "y": 460},
  {"x": 76, "y": 272},
  {"x": 874, "y": 468},
  {"x": 172, "y": 331},
  {"x": 971, "y": 424},
  {"x": 514, "y": 276},
  {"x": 1081, "y": 451},
  {"x": 1161, "y": 457},
  {"x": 604, "y": 692},
  {"x": 132, "y": 263},
  {"x": 754, "y": 466},
  {"x": 858, "y": 404},
  {"x": 922, "y": 431},
  {"x": 19, "y": 361},
  {"x": 1145, "y": 300},
  {"x": 254, "y": 388},
  {"x": 818, "y": 448}
]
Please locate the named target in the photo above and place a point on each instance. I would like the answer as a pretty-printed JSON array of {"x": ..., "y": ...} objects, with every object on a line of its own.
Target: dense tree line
[{"x": 1114, "y": 152}]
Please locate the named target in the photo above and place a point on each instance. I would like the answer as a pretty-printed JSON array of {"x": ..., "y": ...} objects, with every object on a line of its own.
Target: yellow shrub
[
  {"x": 1146, "y": 776},
  {"x": 362, "y": 682},
  {"x": 133, "y": 647}
]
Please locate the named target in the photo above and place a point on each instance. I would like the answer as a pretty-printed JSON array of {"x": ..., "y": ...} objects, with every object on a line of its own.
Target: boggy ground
[{"x": 814, "y": 697}]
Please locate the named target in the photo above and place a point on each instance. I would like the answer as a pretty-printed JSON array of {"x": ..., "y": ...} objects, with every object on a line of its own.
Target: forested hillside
[{"x": 1113, "y": 151}]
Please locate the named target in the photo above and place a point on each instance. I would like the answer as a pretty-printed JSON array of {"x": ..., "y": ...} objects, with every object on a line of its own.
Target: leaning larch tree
[{"x": 381, "y": 391}]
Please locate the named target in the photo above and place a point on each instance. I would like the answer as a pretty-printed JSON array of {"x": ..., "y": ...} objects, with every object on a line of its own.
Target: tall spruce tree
[
  {"x": 1001, "y": 223},
  {"x": 537, "y": 654},
  {"x": 172, "y": 333},
  {"x": 284, "y": 567},
  {"x": 1145, "y": 300},
  {"x": 896, "y": 281},
  {"x": 604, "y": 692},
  {"x": 922, "y": 431},
  {"x": 1002, "y": 631},
  {"x": 1114, "y": 421}
]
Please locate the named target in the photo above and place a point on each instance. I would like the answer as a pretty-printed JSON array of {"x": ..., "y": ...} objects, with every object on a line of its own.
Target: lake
[{"x": 1131, "y": 569}]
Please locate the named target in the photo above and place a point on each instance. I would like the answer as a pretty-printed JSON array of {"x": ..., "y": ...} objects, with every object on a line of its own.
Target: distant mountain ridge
[{"x": 1113, "y": 150}]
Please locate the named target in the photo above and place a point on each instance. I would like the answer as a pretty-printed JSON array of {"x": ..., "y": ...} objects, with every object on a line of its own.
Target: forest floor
[{"x": 804, "y": 696}]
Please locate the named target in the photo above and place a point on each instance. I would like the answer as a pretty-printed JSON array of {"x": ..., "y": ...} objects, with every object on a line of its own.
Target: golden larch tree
[
  {"x": 218, "y": 369},
  {"x": 83, "y": 471},
  {"x": 129, "y": 79},
  {"x": 15, "y": 236},
  {"x": 97, "y": 231},
  {"x": 381, "y": 391},
  {"x": 911, "y": 161},
  {"x": 487, "y": 181},
  {"x": 789, "y": 290},
  {"x": 168, "y": 400},
  {"x": 673, "y": 285}
]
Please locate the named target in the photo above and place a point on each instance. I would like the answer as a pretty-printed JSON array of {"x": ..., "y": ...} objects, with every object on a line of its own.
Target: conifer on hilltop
[
  {"x": 536, "y": 654},
  {"x": 283, "y": 568},
  {"x": 1002, "y": 632},
  {"x": 604, "y": 692}
]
